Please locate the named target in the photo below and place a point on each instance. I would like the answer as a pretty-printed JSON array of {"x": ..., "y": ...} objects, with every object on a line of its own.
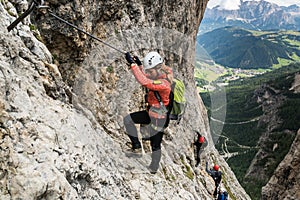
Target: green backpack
[{"x": 177, "y": 102}]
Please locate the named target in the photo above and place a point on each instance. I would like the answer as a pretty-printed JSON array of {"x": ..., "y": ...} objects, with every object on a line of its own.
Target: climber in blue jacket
[{"x": 216, "y": 175}]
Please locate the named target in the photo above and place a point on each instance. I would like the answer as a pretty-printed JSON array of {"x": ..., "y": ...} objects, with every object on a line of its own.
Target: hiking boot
[
  {"x": 136, "y": 152},
  {"x": 152, "y": 170},
  {"x": 136, "y": 146}
]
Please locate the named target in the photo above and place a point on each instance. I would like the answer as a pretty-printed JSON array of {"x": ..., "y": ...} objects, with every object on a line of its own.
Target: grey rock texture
[
  {"x": 285, "y": 184},
  {"x": 63, "y": 97}
]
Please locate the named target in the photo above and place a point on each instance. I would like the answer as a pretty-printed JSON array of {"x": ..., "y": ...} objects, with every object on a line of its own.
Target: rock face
[
  {"x": 285, "y": 183},
  {"x": 64, "y": 96}
]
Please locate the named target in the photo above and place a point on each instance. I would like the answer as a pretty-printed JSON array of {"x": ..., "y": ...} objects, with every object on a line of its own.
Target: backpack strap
[
  {"x": 171, "y": 98},
  {"x": 158, "y": 97},
  {"x": 169, "y": 107}
]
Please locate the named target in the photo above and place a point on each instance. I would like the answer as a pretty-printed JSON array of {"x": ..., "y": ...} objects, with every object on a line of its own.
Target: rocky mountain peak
[{"x": 254, "y": 15}]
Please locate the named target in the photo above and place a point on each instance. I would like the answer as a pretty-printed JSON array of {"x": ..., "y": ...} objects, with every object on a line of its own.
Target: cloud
[
  {"x": 233, "y": 4},
  {"x": 285, "y": 2},
  {"x": 230, "y": 4}
]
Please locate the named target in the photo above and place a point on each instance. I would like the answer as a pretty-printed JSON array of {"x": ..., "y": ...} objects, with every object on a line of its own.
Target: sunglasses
[{"x": 157, "y": 67}]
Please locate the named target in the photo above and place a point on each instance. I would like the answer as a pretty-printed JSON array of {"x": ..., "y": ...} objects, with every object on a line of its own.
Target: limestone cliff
[
  {"x": 63, "y": 97},
  {"x": 284, "y": 184}
]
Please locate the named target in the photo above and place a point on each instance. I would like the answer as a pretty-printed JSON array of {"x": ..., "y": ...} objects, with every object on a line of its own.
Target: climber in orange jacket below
[{"x": 154, "y": 79}]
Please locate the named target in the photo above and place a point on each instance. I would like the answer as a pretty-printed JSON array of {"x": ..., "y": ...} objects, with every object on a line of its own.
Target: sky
[{"x": 234, "y": 4}]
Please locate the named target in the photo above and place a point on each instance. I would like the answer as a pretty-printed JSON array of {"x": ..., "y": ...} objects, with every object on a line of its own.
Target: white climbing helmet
[{"x": 152, "y": 59}]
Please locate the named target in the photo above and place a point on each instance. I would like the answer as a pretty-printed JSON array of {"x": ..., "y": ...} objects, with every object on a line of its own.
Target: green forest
[
  {"x": 243, "y": 127},
  {"x": 247, "y": 49}
]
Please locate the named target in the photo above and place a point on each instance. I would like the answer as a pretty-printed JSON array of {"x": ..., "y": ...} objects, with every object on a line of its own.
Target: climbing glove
[
  {"x": 129, "y": 58},
  {"x": 137, "y": 60}
]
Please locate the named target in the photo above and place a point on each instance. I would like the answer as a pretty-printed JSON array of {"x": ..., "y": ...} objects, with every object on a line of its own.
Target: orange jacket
[{"x": 161, "y": 85}]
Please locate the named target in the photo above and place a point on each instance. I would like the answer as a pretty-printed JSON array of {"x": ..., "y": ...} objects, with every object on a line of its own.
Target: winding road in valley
[
  {"x": 235, "y": 123},
  {"x": 226, "y": 153}
]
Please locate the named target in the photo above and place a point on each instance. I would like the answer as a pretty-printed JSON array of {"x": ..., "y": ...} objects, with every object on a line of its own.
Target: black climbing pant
[{"x": 156, "y": 128}]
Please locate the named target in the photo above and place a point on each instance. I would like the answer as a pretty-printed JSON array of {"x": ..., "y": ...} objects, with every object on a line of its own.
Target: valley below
[
  {"x": 255, "y": 123},
  {"x": 248, "y": 76}
]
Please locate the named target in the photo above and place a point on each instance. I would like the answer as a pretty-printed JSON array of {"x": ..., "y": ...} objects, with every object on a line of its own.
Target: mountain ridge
[
  {"x": 247, "y": 49},
  {"x": 253, "y": 15}
]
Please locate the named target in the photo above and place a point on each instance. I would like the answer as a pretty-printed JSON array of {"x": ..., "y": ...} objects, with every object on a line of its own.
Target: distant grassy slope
[
  {"x": 241, "y": 48},
  {"x": 244, "y": 127}
]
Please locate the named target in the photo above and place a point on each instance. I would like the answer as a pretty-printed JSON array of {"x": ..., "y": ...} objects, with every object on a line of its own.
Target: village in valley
[{"x": 208, "y": 74}]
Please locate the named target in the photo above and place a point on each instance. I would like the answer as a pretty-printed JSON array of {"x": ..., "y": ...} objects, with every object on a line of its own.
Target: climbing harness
[{"x": 39, "y": 5}]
